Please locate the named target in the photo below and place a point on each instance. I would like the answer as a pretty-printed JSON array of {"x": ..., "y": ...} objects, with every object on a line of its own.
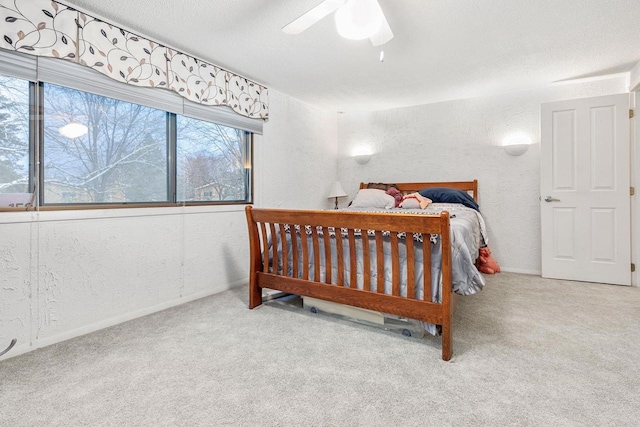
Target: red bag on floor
[{"x": 485, "y": 263}]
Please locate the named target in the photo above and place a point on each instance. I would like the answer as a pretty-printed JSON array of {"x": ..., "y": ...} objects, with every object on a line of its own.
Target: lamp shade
[{"x": 336, "y": 190}]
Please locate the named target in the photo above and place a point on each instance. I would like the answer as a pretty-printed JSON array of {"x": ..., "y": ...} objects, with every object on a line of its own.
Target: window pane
[
  {"x": 14, "y": 135},
  {"x": 102, "y": 150},
  {"x": 211, "y": 161}
]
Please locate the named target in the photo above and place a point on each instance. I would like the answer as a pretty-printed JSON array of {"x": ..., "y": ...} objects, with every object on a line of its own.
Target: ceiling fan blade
[
  {"x": 312, "y": 16},
  {"x": 383, "y": 35}
]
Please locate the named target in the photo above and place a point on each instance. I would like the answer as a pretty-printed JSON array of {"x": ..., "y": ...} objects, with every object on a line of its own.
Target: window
[
  {"x": 118, "y": 155},
  {"x": 14, "y": 135},
  {"x": 211, "y": 161},
  {"x": 95, "y": 149}
]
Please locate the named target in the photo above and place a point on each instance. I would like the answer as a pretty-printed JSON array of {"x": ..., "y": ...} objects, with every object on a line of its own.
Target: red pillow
[{"x": 396, "y": 194}]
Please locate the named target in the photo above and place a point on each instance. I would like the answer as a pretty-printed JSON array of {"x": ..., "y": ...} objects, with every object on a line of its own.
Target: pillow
[
  {"x": 449, "y": 195},
  {"x": 380, "y": 185},
  {"x": 373, "y": 198},
  {"x": 414, "y": 201},
  {"x": 411, "y": 203}
]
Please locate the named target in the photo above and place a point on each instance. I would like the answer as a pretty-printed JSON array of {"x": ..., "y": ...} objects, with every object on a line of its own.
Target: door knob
[{"x": 550, "y": 199}]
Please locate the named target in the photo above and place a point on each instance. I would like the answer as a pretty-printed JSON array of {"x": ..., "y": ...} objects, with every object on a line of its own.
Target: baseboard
[
  {"x": 22, "y": 348},
  {"x": 521, "y": 271},
  {"x": 17, "y": 350}
]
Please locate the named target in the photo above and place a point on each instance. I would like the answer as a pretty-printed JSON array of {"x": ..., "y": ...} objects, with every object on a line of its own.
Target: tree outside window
[
  {"x": 122, "y": 157},
  {"x": 14, "y": 135},
  {"x": 211, "y": 161}
]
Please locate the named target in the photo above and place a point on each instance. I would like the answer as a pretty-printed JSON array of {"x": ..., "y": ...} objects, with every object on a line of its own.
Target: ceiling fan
[{"x": 355, "y": 19}]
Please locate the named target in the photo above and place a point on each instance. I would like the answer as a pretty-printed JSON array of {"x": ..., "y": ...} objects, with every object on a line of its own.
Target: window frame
[
  {"x": 247, "y": 162},
  {"x": 37, "y": 164},
  {"x": 38, "y": 69}
]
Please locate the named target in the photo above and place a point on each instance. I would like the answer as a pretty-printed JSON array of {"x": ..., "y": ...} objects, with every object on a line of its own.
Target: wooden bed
[{"x": 266, "y": 225}]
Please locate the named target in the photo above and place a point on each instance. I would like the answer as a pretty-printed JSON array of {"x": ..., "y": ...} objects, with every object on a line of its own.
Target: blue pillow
[{"x": 449, "y": 195}]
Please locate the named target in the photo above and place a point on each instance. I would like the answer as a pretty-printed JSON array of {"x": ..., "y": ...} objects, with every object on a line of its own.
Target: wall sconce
[
  {"x": 336, "y": 191},
  {"x": 362, "y": 158},
  {"x": 516, "y": 144},
  {"x": 362, "y": 154}
]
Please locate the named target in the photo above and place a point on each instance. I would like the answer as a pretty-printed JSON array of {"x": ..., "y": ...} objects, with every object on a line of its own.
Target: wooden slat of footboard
[
  {"x": 399, "y": 306},
  {"x": 265, "y": 248},
  {"x": 305, "y": 252},
  {"x": 274, "y": 247},
  {"x": 395, "y": 265},
  {"x": 316, "y": 254},
  {"x": 285, "y": 250},
  {"x": 426, "y": 266},
  {"x": 411, "y": 277},
  {"x": 366, "y": 261},
  {"x": 352, "y": 258},
  {"x": 340, "y": 248},
  {"x": 379, "y": 262},
  {"x": 327, "y": 254},
  {"x": 294, "y": 249}
]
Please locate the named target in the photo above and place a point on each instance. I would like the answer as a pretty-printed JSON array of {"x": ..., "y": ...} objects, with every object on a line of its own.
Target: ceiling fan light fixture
[
  {"x": 359, "y": 19},
  {"x": 73, "y": 130}
]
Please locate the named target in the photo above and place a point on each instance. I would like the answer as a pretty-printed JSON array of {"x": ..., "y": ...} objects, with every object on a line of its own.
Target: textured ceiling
[{"x": 442, "y": 50}]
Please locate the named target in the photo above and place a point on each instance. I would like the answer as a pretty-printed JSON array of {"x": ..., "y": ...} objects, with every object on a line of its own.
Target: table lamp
[{"x": 336, "y": 191}]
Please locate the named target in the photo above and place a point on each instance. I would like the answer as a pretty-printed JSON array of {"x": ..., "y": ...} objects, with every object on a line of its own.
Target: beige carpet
[{"x": 527, "y": 352}]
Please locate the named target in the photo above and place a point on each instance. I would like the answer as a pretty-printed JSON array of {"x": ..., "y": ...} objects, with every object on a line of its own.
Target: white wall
[
  {"x": 296, "y": 156},
  {"x": 459, "y": 140},
  {"x": 65, "y": 273}
]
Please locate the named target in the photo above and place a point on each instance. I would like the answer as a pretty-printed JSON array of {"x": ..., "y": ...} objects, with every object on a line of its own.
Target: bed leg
[
  {"x": 447, "y": 345},
  {"x": 255, "y": 295}
]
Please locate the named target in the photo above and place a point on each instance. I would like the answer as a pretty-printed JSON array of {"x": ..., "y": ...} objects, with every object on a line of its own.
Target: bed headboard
[{"x": 470, "y": 187}]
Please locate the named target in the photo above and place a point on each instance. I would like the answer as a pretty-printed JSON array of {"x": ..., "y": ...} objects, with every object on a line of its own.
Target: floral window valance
[{"x": 48, "y": 28}]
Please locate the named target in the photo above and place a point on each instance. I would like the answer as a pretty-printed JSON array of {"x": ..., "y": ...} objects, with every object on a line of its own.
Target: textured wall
[
  {"x": 66, "y": 273},
  {"x": 73, "y": 272},
  {"x": 459, "y": 140},
  {"x": 16, "y": 259},
  {"x": 296, "y": 156}
]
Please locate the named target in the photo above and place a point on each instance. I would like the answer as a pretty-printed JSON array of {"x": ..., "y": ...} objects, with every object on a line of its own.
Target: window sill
[
  {"x": 69, "y": 213},
  {"x": 71, "y": 207}
]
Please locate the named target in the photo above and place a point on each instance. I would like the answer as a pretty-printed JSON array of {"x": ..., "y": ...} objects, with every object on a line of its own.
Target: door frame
[{"x": 634, "y": 158}]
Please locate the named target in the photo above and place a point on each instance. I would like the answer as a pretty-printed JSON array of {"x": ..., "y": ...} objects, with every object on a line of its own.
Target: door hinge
[
  {"x": 632, "y": 191},
  {"x": 633, "y": 267},
  {"x": 631, "y": 113}
]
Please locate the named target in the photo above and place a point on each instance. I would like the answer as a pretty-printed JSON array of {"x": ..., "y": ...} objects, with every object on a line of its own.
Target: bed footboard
[{"x": 278, "y": 262}]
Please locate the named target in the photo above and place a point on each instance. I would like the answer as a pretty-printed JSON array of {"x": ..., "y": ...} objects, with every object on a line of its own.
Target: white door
[{"x": 585, "y": 185}]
